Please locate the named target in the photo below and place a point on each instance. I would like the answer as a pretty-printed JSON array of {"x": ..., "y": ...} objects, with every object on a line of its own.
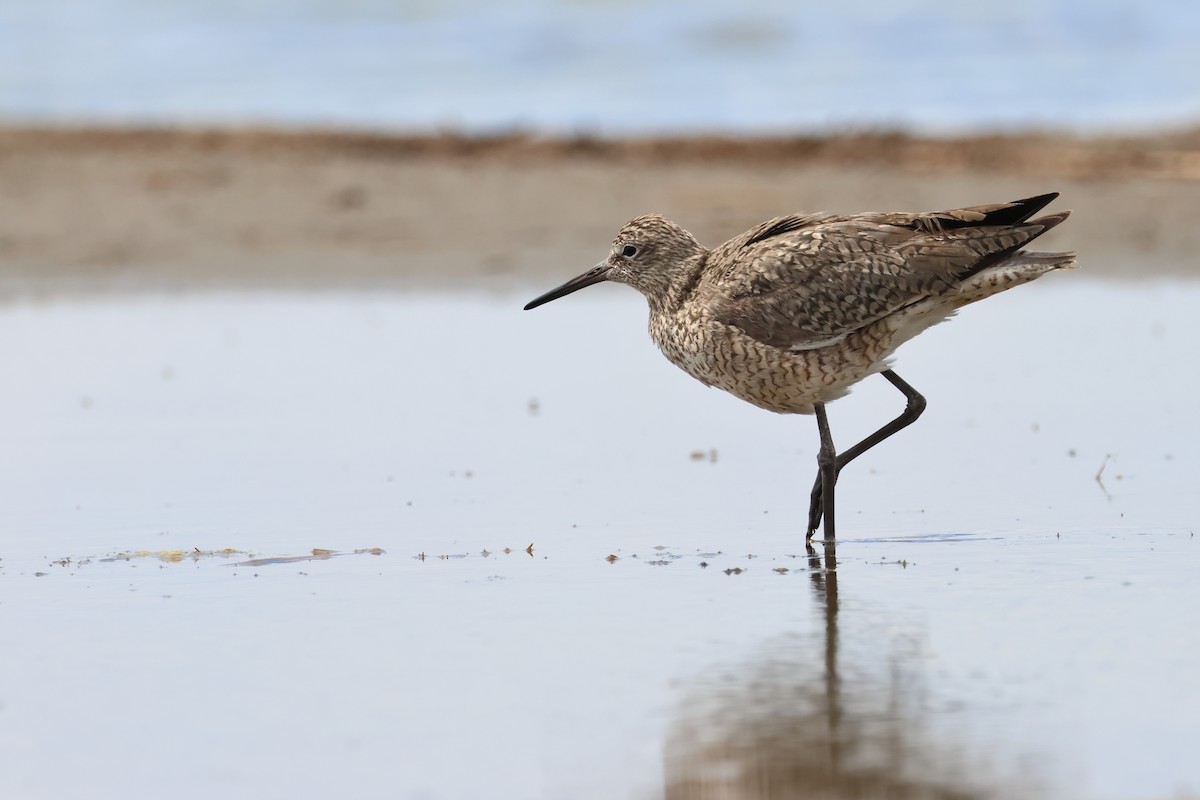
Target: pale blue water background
[
  {"x": 604, "y": 66},
  {"x": 1007, "y": 612}
]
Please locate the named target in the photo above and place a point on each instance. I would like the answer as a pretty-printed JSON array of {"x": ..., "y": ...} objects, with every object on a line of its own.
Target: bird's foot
[{"x": 816, "y": 505}]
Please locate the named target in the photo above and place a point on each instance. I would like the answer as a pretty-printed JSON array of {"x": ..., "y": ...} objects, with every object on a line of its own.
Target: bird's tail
[
  {"x": 1040, "y": 263},
  {"x": 1022, "y": 266}
]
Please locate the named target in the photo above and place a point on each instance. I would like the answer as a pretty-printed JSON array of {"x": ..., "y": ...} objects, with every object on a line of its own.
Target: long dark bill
[{"x": 594, "y": 275}]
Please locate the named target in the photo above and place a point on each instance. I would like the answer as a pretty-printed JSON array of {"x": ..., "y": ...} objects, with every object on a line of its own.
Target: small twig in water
[{"x": 1099, "y": 480}]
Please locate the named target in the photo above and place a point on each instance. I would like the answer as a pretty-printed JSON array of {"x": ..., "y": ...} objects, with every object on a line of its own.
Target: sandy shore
[{"x": 167, "y": 209}]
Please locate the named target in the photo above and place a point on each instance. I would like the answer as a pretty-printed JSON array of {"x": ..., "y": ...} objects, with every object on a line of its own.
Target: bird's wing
[{"x": 803, "y": 282}]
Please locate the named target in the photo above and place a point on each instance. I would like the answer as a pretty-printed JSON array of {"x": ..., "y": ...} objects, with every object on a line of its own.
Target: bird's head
[{"x": 647, "y": 252}]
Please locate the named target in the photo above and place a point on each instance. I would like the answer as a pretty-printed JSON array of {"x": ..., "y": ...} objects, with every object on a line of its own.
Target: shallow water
[
  {"x": 604, "y": 66},
  {"x": 995, "y": 620}
]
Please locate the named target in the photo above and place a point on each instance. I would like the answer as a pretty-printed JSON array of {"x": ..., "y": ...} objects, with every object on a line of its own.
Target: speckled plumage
[
  {"x": 800, "y": 308},
  {"x": 792, "y": 313}
]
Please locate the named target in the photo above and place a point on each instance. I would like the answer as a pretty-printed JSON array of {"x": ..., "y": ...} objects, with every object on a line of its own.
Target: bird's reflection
[
  {"x": 775, "y": 728},
  {"x": 823, "y": 569}
]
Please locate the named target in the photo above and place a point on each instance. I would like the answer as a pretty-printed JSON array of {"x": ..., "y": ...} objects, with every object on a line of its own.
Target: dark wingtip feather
[
  {"x": 1031, "y": 205},
  {"x": 1005, "y": 214},
  {"x": 1049, "y": 221}
]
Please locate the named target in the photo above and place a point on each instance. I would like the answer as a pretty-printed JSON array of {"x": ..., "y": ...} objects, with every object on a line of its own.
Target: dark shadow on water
[{"x": 799, "y": 723}]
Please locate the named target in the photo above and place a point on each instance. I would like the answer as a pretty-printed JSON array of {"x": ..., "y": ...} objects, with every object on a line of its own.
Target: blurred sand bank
[{"x": 84, "y": 209}]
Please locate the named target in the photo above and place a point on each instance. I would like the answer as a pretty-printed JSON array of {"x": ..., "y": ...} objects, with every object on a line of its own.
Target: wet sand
[{"x": 172, "y": 209}]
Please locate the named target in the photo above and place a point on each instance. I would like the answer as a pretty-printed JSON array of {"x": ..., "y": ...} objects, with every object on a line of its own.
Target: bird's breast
[{"x": 787, "y": 382}]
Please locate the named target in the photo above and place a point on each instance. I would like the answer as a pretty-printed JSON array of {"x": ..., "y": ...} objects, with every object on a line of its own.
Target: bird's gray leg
[
  {"x": 827, "y": 463},
  {"x": 916, "y": 405}
]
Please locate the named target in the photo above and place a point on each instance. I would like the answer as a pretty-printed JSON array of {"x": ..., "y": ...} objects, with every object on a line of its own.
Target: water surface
[
  {"x": 604, "y": 66},
  {"x": 995, "y": 621}
]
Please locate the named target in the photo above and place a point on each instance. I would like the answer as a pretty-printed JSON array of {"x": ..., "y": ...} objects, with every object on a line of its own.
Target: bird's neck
[{"x": 677, "y": 286}]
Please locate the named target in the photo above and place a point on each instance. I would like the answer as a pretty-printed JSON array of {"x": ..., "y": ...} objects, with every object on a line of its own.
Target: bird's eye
[{"x": 629, "y": 251}]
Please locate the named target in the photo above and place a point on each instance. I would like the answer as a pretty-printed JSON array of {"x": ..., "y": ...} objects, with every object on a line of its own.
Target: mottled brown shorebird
[{"x": 792, "y": 313}]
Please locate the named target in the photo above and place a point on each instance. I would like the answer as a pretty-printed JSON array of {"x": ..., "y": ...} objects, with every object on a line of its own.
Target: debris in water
[{"x": 1100, "y": 472}]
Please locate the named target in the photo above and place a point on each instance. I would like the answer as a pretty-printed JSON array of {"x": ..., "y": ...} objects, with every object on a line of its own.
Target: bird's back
[{"x": 805, "y": 282}]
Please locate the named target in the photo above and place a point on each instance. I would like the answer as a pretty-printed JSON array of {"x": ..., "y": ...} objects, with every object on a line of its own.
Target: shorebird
[{"x": 792, "y": 313}]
